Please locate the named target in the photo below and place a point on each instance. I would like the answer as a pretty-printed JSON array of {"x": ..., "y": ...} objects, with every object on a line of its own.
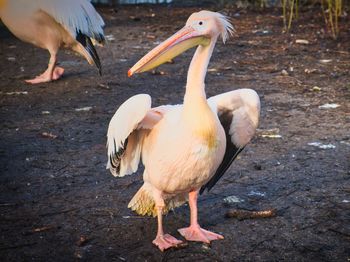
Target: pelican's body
[
  {"x": 197, "y": 156},
  {"x": 184, "y": 148},
  {"x": 55, "y": 24}
]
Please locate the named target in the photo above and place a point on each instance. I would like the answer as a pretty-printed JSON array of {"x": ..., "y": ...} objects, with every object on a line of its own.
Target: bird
[
  {"x": 185, "y": 148},
  {"x": 55, "y": 24}
]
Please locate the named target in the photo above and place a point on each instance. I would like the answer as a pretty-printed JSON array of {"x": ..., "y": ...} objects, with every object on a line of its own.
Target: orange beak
[{"x": 178, "y": 43}]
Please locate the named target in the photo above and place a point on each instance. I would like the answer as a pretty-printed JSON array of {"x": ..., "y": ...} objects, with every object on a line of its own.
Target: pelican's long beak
[{"x": 178, "y": 43}]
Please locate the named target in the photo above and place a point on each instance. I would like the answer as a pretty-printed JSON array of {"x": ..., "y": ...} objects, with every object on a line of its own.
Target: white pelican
[
  {"x": 184, "y": 148},
  {"x": 52, "y": 24}
]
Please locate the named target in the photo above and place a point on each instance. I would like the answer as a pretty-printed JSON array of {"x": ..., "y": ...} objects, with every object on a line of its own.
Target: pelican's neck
[
  {"x": 197, "y": 113},
  {"x": 197, "y": 71}
]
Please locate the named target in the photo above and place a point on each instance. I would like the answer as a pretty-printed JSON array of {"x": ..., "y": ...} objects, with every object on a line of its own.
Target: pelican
[
  {"x": 185, "y": 148},
  {"x": 52, "y": 24}
]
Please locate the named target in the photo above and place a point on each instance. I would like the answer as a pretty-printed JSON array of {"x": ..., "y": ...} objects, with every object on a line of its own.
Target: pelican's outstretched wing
[
  {"x": 238, "y": 112},
  {"x": 126, "y": 132}
]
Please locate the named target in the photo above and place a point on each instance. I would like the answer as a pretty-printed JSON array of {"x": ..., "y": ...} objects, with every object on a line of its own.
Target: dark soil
[{"x": 59, "y": 203}]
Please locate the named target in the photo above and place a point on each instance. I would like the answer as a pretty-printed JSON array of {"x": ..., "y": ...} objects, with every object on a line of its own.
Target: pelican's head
[
  {"x": 210, "y": 24},
  {"x": 201, "y": 28}
]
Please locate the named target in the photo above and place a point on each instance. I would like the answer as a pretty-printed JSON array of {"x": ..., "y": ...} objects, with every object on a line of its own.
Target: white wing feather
[
  {"x": 244, "y": 105},
  {"x": 123, "y": 123},
  {"x": 238, "y": 112},
  {"x": 74, "y": 15}
]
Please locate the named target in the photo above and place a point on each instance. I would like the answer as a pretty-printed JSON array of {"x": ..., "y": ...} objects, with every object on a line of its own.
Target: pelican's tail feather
[
  {"x": 143, "y": 203},
  {"x": 176, "y": 201}
]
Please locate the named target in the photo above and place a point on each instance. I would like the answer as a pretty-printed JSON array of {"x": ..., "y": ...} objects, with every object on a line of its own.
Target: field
[{"x": 59, "y": 203}]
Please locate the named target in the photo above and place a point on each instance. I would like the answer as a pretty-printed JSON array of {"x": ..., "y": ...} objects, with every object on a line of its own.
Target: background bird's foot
[
  {"x": 47, "y": 76},
  {"x": 57, "y": 73},
  {"x": 166, "y": 241},
  {"x": 196, "y": 233},
  {"x": 39, "y": 79}
]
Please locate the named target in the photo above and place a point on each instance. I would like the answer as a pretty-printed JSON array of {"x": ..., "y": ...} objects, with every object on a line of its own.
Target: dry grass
[{"x": 331, "y": 9}]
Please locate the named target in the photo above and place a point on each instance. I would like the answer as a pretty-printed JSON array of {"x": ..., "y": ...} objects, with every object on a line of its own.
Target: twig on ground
[
  {"x": 39, "y": 229},
  {"x": 245, "y": 214},
  {"x": 44, "y": 228},
  {"x": 339, "y": 232},
  {"x": 58, "y": 212},
  {"x": 19, "y": 246}
]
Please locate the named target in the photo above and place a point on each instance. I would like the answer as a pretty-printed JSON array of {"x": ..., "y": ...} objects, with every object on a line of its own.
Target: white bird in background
[
  {"x": 184, "y": 148},
  {"x": 53, "y": 24}
]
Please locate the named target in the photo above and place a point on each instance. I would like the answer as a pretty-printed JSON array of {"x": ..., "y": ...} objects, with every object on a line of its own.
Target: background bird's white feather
[{"x": 74, "y": 15}]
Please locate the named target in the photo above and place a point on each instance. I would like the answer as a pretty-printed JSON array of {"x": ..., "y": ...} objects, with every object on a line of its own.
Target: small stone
[
  {"x": 325, "y": 61},
  {"x": 329, "y": 106},
  {"x": 206, "y": 246},
  {"x": 284, "y": 72},
  {"x": 316, "y": 89},
  {"x": 302, "y": 41},
  {"x": 87, "y": 108},
  {"x": 82, "y": 241}
]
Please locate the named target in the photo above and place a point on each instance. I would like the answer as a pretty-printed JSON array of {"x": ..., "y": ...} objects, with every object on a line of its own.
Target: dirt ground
[{"x": 59, "y": 203}]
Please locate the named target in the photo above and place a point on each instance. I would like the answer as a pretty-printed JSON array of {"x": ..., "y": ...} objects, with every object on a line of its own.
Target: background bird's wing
[
  {"x": 238, "y": 112},
  {"x": 126, "y": 131},
  {"x": 77, "y": 16}
]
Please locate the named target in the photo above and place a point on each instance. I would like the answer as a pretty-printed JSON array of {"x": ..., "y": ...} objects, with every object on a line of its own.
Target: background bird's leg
[
  {"x": 57, "y": 72},
  {"x": 194, "y": 232},
  {"x": 52, "y": 72},
  {"x": 163, "y": 241}
]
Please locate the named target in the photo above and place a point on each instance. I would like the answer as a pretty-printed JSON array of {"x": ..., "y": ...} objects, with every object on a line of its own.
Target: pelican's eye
[{"x": 200, "y": 23}]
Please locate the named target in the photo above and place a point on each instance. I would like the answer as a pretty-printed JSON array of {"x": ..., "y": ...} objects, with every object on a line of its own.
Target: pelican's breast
[{"x": 180, "y": 158}]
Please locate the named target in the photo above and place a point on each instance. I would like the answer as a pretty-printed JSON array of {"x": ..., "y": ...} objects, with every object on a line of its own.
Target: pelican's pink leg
[
  {"x": 52, "y": 72},
  {"x": 163, "y": 241},
  {"x": 194, "y": 232}
]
